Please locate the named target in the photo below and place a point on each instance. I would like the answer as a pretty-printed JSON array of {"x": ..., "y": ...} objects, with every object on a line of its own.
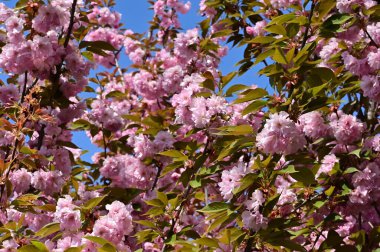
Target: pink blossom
[
  {"x": 374, "y": 60},
  {"x": 277, "y": 4},
  {"x": 231, "y": 180},
  {"x": 127, "y": 172},
  {"x": 50, "y": 18},
  {"x": 49, "y": 182},
  {"x": 5, "y": 12},
  {"x": 254, "y": 221},
  {"x": 374, "y": 30},
  {"x": 163, "y": 140},
  {"x": 257, "y": 29},
  {"x": 327, "y": 165},
  {"x": 66, "y": 215},
  {"x": 20, "y": 179},
  {"x": 345, "y": 6},
  {"x": 313, "y": 125},
  {"x": 287, "y": 196},
  {"x": 111, "y": 36},
  {"x": 9, "y": 94},
  {"x": 371, "y": 87},
  {"x": 69, "y": 241},
  {"x": 356, "y": 66},
  {"x": 6, "y": 138},
  {"x": 329, "y": 49},
  {"x": 365, "y": 184},
  {"x": 122, "y": 214},
  {"x": 116, "y": 224},
  {"x": 256, "y": 201},
  {"x": 347, "y": 129},
  {"x": 280, "y": 135}
]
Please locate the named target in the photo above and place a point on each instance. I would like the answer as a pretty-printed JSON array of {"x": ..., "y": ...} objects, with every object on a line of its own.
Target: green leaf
[
  {"x": 288, "y": 170},
  {"x": 21, "y": 4},
  {"x": 171, "y": 167},
  {"x": 163, "y": 197},
  {"x": 279, "y": 20},
  {"x": 74, "y": 249},
  {"x": 356, "y": 152},
  {"x": 195, "y": 183},
  {"x": 177, "y": 155},
  {"x": 28, "y": 248},
  {"x": 146, "y": 235},
  {"x": 80, "y": 124},
  {"x": 279, "y": 56},
  {"x": 98, "y": 240},
  {"x": 208, "y": 84},
  {"x": 288, "y": 244},
  {"x": 235, "y": 130},
  {"x": 263, "y": 55},
  {"x": 245, "y": 182},
  {"x": 209, "y": 242},
  {"x": 333, "y": 240},
  {"x": 222, "y": 33},
  {"x": 270, "y": 204},
  {"x": 262, "y": 40},
  {"x": 320, "y": 75},
  {"x": 39, "y": 245},
  {"x": 304, "y": 53},
  {"x": 146, "y": 223},
  {"x": 123, "y": 195},
  {"x": 116, "y": 94},
  {"x": 214, "y": 207},
  {"x": 254, "y": 106},
  {"x": 48, "y": 229},
  {"x": 350, "y": 170},
  {"x": 97, "y": 44},
  {"x": 107, "y": 248},
  {"x": 317, "y": 90},
  {"x": 155, "y": 203},
  {"x": 227, "y": 79},
  {"x": 303, "y": 175},
  {"x": 334, "y": 24},
  {"x": 251, "y": 94},
  {"x": 27, "y": 150},
  {"x": 235, "y": 88},
  {"x": 276, "y": 29},
  {"x": 97, "y": 51},
  {"x": 323, "y": 8},
  {"x": 330, "y": 191},
  {"x": 92, "y": 203}
]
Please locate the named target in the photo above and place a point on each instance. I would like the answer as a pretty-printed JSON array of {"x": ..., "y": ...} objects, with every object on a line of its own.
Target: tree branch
[{"x": 308, "y": 24}]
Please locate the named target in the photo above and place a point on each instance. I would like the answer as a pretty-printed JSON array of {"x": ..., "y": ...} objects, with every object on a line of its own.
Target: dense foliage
[{"x": 191, "y": 160}]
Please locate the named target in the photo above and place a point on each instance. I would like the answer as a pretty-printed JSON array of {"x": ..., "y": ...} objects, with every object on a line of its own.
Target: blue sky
[{"x": 135, "y": 16}]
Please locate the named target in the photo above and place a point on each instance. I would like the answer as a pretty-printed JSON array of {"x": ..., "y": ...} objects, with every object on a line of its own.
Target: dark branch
[
  {"x": 308, "y": 24},
  {"x": 71, "y": 24}
]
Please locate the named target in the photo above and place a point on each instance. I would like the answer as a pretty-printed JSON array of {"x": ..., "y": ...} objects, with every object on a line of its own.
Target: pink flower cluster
[
  {"x": 111, "y": 36},
  {"x": 167, "y": 10},
  {"x": 230, "y": 180},
  {"x": 280, "y": 135},
  {"x": 115, "y": 225},
  {"x": 257, "y": 29},
  {"x": 252, "y": 218},
  {"x": 127, "y": 171},
  {"x": 66, "y": 214}
]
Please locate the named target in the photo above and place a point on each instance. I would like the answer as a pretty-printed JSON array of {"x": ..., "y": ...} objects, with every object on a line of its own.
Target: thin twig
[
  {"x": 159, "y": 170},
  {"x": 71, "y": 24},
  {"x": 308, "y": 24},
  {"x": 370, "y": 37},
  {"x": 24, "y": 88}
]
